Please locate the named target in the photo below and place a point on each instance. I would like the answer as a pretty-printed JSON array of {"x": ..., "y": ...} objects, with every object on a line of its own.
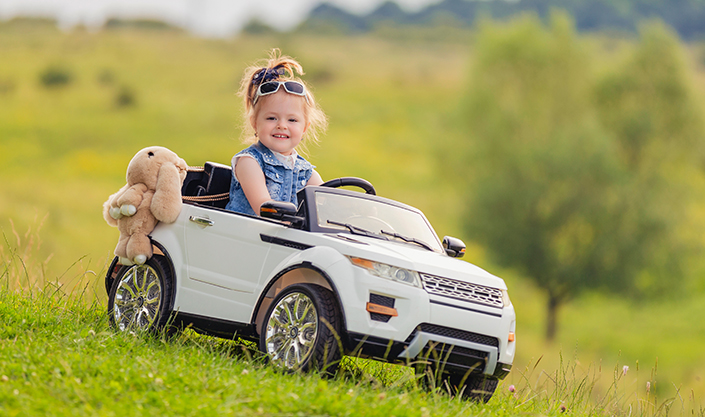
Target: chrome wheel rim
[
  {"x": 138, "y": 298},
  {"x": 291, "y": 331}
]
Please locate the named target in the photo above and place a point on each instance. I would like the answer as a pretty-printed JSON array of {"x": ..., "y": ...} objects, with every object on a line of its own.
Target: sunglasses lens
[
  {"x": 291, "y": 87},
  {"x": 268, "y": 88},
  {"x": 294, "y": 87}
]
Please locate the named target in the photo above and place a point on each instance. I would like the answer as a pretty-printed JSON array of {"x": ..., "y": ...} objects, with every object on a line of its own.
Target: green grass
[
  {"x": 64, "y": 150},
  {"x": 64, "y": 360},
  {"x": 58, "y": 356}
]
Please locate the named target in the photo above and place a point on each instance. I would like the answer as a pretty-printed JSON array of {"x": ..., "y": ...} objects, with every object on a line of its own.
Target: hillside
[
  {"x": 685, "y": 16},
  {"x": 65, "y": 144}
]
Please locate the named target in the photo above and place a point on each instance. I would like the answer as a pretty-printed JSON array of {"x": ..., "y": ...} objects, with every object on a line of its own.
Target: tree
[
  {"x": 550, "y": 193},
  {"x": 647, "y": 104}
]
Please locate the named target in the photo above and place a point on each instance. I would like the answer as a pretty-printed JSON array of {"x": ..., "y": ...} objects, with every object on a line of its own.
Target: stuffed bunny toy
[{"x": 152, "y": 193}]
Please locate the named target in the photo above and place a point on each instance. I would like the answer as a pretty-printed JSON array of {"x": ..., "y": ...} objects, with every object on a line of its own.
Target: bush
[
  {"x": 125, "y": 97},
  {"x": 55, "y": 76}
]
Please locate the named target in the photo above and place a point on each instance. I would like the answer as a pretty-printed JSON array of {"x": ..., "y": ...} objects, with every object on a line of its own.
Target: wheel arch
[
  {"x": 301, "y": 273},
  {"x": 160, "y": 250},
  {"x": 157, "y": 249}
]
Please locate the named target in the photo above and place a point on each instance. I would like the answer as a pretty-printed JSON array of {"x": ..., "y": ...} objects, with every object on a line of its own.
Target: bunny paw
[
  {"x": 140, "y": 259},
  {"x": 128, "y": 210},
  {"x": 115, "y": 213}
]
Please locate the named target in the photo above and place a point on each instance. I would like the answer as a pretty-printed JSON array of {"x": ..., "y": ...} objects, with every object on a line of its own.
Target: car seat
[{"x": 208, "y": 185}]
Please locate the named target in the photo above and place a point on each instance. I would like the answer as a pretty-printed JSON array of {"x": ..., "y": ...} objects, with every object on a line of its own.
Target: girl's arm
[
  {"x": 315, "y": 179},
  {"x": 251, "y": 178}
]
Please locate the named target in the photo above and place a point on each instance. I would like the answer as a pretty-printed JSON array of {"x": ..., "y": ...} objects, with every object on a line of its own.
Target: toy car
[{"x": 344, "y": 273}]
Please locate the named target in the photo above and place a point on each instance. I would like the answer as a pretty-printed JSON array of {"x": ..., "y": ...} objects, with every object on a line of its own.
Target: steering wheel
[{"x": 351, "y": 181}]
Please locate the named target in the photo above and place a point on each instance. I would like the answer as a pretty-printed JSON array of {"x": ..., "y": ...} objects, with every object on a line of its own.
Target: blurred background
[{"x": 563, "y": 141}]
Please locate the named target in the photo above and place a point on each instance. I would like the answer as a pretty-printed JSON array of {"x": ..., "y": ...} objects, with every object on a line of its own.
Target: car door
[{"x": 225, "y": 254}]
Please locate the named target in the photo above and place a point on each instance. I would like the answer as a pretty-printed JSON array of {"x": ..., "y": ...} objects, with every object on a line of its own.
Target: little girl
[{"x": 280, "y": 110}]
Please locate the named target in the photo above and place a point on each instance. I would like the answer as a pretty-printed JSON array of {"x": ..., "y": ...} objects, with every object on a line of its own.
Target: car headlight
[
  {"x": 505, "y": 298},
  {"x": 393, "y": 273}
]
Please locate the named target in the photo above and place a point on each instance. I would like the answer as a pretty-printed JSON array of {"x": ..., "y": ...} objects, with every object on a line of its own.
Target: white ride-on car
[{"x": 344, "y": 273}]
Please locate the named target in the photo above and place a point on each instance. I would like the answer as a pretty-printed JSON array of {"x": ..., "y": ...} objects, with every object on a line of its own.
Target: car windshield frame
[{"x": 310, "y": 210}]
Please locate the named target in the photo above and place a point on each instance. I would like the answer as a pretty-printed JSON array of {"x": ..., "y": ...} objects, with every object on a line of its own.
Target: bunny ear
[{"x": 166, "y": 202}]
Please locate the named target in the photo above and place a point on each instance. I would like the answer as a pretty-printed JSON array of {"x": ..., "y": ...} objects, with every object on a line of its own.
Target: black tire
[
  {"x": 301, "y": 330},
  {"x": 141, "y": 296},
  {"x": 475, "y": 387},
  {"x": 113, "y": 271}
]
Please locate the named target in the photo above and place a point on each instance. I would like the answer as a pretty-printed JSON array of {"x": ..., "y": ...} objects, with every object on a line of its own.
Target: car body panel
[{"x": 229, "y": 266}]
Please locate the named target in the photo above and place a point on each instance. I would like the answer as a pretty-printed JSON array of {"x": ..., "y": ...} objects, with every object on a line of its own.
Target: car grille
[
  {"x": 462, "y": 290},
  {"x": 455, "y": 334},
  {"x": 449, "y": 357}
]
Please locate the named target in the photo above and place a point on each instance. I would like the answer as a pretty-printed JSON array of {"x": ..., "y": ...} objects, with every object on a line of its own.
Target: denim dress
[{"x": 282, "y": 182}]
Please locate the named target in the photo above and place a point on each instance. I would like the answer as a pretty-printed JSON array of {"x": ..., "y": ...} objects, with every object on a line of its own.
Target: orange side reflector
[
  {"x": 268, "y": 210},
  {"x": 511, "y": 336},
  {"x": 363, "y": 263},
  {"x": 387, "y": 311}
]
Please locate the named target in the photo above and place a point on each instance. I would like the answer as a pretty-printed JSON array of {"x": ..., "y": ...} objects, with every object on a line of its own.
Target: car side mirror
[
  {"x": 279, "y": 210},
  {"x": 454, "y": 247}
]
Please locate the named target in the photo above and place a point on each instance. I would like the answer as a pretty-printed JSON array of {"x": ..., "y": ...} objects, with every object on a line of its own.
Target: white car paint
[{"x": 225, "y": 270}]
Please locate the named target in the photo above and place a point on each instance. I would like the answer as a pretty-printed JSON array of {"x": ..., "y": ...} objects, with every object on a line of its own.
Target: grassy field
[
  {"x": 64, "y": 149},
  {"x": 59, "y": 357}
]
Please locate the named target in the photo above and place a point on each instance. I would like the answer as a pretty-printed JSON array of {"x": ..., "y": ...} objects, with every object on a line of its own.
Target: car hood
[{"x": 411, "y": 256}]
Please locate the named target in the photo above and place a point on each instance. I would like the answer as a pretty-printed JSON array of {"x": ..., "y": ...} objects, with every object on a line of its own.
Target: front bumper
[
  {"x": 448, "y": 352},
  {"x": 425, "y": 348},
  {"x": 454, "y": 335}
]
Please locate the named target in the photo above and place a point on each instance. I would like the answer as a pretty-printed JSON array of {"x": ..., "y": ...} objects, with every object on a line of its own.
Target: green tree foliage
[
  {"x": 686, "y": 16},
  {"x": 551, "y": 191},
  {"x": 257, "y": 27},
  {"x": 647, "y": 105},
  {"x": 144, "y": 24}
]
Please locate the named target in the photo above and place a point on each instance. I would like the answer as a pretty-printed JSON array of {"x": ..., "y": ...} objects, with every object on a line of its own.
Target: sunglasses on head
[{"x": 271, "y": 87}]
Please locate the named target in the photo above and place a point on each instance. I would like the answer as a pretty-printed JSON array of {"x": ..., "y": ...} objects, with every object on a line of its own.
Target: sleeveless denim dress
[{"x": 282, "y": 182}]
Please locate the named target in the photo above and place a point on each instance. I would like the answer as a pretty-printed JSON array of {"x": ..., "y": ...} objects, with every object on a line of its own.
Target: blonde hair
[{"x": 280, "y": 68}]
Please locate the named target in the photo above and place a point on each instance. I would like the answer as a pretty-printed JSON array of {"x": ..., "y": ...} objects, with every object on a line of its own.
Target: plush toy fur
[{"x": 152, "y": 193}]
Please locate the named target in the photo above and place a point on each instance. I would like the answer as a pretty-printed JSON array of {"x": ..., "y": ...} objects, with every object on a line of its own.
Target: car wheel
[
  {"x": 301, "y": 330},
  {"x": 140, "y": 297},
  {"x": 474, "y": 387}
]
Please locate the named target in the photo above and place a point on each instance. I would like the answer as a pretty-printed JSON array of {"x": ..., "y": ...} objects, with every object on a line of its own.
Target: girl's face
[{"x": 279, "y": 121}]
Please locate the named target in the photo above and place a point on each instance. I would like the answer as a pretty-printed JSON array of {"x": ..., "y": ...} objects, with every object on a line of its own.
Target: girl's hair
[{"x": 279, "y": 68}]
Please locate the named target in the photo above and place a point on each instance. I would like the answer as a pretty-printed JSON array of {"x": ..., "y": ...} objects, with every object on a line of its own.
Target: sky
[{"x": 208, "y": 18}]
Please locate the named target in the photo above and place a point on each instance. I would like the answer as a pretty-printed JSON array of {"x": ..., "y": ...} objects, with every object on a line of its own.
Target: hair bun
[{"x": 268, "y": 74}]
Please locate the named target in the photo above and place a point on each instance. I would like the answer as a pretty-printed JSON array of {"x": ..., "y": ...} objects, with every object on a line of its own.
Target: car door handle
[{"x": 201, "y": 221}]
